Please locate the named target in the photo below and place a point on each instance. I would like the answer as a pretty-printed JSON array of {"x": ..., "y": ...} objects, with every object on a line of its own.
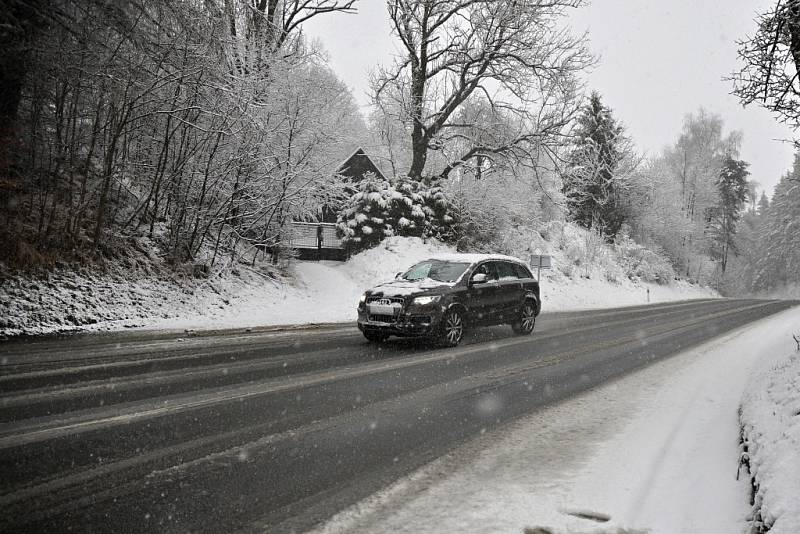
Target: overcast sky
[{"x": 658, "y": 60}]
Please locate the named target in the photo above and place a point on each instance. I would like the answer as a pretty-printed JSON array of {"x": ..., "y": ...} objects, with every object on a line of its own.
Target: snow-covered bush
[
  {"x": 480, "y": 226},
  {"x": 641, "y": 262},
  {"x": 489, "y": 207},
  {"x": 406, "y": 208},
  {"x": 590, "y": 253},
  {"x": 553, "y": 231},
  {"x": 587, "y": 249},
  {"x": 580, "y": 253},
  {"x": 574, "y": 253}
]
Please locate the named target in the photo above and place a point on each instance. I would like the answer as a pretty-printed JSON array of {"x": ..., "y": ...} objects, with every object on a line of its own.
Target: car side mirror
[
  {"x": 480, "y": 278},
  {"x": 398, "y": 275}
]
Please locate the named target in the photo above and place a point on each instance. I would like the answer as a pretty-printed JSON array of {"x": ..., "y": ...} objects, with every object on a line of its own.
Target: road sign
[{"x": 539, "y": 262}]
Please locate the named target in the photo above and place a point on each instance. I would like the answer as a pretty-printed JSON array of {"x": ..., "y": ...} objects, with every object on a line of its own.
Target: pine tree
[
  {"x": 779, "y": 251},
  {"x": 723, "y": 218},
  {"x": 592, "y": 182},
  {"x": 763, "y": 204}
]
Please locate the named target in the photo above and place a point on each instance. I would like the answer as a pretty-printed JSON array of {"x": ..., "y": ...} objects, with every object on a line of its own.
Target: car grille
[
  {"x": 383, "y": 318},
  {"x": 397, "y": 300}
]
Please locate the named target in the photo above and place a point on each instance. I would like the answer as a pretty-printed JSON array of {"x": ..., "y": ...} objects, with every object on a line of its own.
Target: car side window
[
  {"x": 522, "y": 271},
  {"x": 506, "y": 271},
  {"x": 487, "y": 269}
]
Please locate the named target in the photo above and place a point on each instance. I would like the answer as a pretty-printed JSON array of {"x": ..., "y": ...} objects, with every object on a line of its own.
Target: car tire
[
  {"x": 451, "y": 331},
  {"x": 523, "y": 326},
  {"x": 375, "y": 337}
]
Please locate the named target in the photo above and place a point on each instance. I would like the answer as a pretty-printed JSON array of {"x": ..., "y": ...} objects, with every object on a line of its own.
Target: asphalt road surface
[{"x": 278, "y": 430}]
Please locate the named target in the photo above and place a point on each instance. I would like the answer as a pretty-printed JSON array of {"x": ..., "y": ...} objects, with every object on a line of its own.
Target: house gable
[{"x": 357, "y": 166}]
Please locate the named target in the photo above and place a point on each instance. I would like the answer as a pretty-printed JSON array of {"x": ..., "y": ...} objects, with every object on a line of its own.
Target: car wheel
[
  {"x": 527, "y": 319},
  {"x": 375, "y": 337},
  {"x": 452, "y": 329}
]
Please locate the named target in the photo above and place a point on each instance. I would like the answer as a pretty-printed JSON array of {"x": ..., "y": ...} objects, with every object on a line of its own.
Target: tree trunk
[
  {"x": 11, "y": 77},
  {"x": 419, "y": 154},
  {"x": 117, "y": 122}
]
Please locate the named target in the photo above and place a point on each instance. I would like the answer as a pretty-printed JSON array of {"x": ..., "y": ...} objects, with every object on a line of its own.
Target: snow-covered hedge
[
  {"x": 406, "y": 208},
  {"x": 770, "y": 420}
]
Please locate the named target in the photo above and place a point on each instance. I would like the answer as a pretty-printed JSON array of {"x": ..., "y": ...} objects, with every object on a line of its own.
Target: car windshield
[{"x": 441, "y": 271}]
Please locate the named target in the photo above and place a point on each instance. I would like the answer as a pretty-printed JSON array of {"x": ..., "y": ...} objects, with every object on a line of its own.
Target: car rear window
[{"x": 522, "y": 271}]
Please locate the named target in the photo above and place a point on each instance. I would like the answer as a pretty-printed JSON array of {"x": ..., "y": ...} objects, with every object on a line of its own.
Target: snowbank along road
[{"x": 276, "y": 431}]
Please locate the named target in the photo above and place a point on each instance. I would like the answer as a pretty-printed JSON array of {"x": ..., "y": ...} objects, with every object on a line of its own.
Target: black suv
[{"x": 439, "y": 297}]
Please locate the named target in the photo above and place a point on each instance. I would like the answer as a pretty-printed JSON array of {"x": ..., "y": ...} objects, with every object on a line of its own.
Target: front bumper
[{"x": 409, "y": 324}]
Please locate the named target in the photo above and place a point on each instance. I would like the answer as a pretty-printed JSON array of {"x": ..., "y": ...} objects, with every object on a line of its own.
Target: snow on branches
[{"x": 382, "y": 209}]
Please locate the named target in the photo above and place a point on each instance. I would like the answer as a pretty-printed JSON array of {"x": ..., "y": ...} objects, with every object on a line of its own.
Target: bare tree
[
  {"x": 514, "y": 54},
  {"x": 771, "y": 63},
  {"x": 130, "y": 122},
  {"x": 22, "y": 23},
  {"x": 259, "y": 29}
]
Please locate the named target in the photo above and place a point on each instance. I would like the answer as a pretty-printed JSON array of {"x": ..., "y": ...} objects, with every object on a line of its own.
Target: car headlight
[
  {"x": 363, "y": 299},
  {"x": 429, "y": 299}
]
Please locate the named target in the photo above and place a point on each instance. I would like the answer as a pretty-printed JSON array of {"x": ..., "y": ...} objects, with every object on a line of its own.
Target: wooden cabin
[{"x": 317, "y": 239}]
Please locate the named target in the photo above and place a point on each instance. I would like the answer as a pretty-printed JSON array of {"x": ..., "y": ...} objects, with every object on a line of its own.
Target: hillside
[{"x": 586, "y": 274}]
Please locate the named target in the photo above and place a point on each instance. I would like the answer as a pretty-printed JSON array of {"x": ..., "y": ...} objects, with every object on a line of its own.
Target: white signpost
[{"x": 540, "y": 262}]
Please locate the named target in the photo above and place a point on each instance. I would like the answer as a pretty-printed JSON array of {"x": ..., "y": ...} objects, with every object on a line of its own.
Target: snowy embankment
[
  {"x": 770, "y": 420},
  {"x": 653, "y": 452},
  {"x": 307, "y": 292}
]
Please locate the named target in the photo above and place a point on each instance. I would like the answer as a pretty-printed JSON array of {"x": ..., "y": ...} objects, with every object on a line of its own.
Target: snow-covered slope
[
  {"x": 308, "y": 292},
  {"x": 770, "y": 419}
]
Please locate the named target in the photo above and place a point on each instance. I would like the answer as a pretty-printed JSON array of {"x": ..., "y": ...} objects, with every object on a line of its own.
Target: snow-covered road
[{"x": 656, "y": 451}]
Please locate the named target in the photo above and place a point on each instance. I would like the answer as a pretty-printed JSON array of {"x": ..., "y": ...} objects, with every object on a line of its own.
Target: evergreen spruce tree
[
  {"x": 763, "y": 204},
  {"x": 592, "y": 181},
  {"x": 779, "y": 251},
  {"x": 723, "y": 218}
]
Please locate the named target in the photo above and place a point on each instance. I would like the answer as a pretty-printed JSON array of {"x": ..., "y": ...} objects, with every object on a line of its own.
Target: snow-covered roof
[
  {"x": 474, "y": 258},
  {"x": 356, "y": 158}
]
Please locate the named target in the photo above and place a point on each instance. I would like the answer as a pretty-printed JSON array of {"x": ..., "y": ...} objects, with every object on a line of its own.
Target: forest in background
[{"x": 206, "y": 127}]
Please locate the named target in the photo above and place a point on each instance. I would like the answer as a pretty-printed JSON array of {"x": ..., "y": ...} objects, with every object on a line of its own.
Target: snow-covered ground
[
  {"x": 770, "y": 419},
  {"x": 656, "y": 451},
  {"x": 310, "y": 292}
]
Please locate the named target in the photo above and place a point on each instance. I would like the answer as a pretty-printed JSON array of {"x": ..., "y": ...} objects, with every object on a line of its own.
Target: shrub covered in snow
[
  {"x": 587, "y": 253},
  {"x": 578, "y": 253},
  {"x": 480, "y": 227},
  {"x": 406, "y": 208},
  {"x": 642, "y": 262}
]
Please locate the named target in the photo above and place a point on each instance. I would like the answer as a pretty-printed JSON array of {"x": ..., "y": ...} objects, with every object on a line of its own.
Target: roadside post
[{"x": 320, "y": 239}]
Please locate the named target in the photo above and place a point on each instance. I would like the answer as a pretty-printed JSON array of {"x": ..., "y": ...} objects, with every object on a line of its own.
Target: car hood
[{"x": 400, "y": 288}]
